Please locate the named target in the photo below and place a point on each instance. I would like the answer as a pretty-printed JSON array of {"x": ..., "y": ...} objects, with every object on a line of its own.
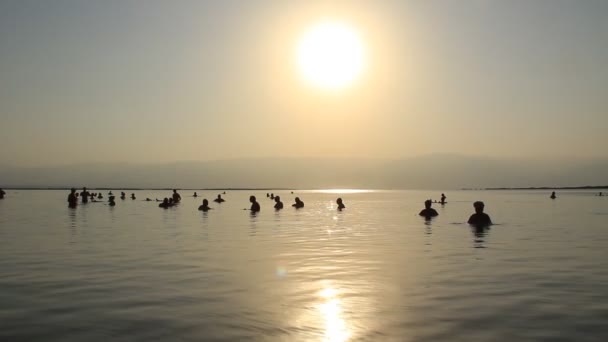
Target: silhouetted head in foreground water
[
  {"x": 111, "y": 201},
  {"x": 205, "y": 206},
  {"x": 428, "y": 212},
  {"x": 278, "y": 204},
  {"x": 219, "y": 199},
  {"x": 299, "y": 204},
  {"x": 553, "y": 195},
  {"x": 340, "y": 204},
  {"x": 255, "y": 206},
  {"x": 479, "y": 218}
]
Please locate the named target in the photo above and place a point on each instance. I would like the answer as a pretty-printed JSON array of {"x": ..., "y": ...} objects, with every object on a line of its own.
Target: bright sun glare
[{"x": 330, "y": 56}]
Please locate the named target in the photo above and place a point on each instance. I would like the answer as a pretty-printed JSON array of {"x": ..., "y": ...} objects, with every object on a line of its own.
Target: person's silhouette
[
  {"x": 340, "y": 204},
  {"x": 428, "y": 212},
  {"x": 479, "y": 218},
  {"x": 132, "y": 196},
  {"x": 123, "y": 195},
  {"x": 195, "y": 194},
  {"x": 205, "y": 206},
  {"x": 443, "y": 198},
  {"x": 553, "y": 195},
  {"x": 255, "y": 206},
  {"x": 299, "y": 204},
  {"x": 84, "y": 195},
  {"x": 278, "y": 204},
  {"x": 219, "y": 199},
  {"x": 111, "y": 201},
  {"x": 72, "y": 198},
  {"x": 164, "y": 204},
  {"x": 176, "y": 197},
  {"x": 2, "y": 193},
  {"x": 99, "y": 196}
]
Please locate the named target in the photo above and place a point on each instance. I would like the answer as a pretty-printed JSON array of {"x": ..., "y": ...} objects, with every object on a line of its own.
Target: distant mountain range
[{"x": 425, "y": 172}]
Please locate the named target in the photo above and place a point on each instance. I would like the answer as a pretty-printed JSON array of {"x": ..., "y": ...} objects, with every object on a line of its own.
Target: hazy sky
[{"x": 156, "y": 81}]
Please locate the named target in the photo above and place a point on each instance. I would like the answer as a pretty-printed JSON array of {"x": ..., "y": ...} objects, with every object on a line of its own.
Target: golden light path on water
[
  {"x": 336, "y": 329},
  {"x": 343, "y": 191}
]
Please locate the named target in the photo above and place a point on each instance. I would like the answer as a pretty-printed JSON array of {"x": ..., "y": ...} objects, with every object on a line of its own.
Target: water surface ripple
[{"x": 374, "y": 272}]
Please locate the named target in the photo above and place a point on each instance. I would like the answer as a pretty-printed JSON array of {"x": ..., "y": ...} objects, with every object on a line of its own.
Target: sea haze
[
  {"x": 375, "y": 271},
  {"x": 445, "y": 171}
]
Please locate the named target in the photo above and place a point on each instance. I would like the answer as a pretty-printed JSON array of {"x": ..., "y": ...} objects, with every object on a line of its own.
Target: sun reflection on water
[
  {"x": 343, "y": 191},
  {"x": 331, "y": 312}
]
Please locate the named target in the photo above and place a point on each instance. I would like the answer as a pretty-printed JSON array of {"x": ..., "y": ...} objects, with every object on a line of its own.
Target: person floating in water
[
  {"x": 84, "y": 195},
  {"x": 2, "y": 193},
  {"x": 164, "y": 204},
  {"x": 205, "y": 206},
  {"x": 271, "y": 196},
  {"x": 219, "y": 199},
  {"x": 340, "y": 204},
  {"x": 299, "y": 204},
  {"x": 443, "y": 198},
  {"x": 123, "y": 195},
  {"x": 255, "y": 206},
  {"x": 148, "y": 199},
  {"x": 132, "y": 196},
  {"x": 267, "y": 195},
  {"x": 278, "y": 204},
  {"x": 176, "y": 197},
  {"x": 553, "y": 195},
  {"x": 72, "y": 198},
  {"x": 195, "y": 195},
  {"x": 110, "y": 193},
  {"x": 99, "y": 196},
  {"x": 428, "y": 212},
  {"x": 479, "y": 218},
  {"x": 111, "y": 201}
]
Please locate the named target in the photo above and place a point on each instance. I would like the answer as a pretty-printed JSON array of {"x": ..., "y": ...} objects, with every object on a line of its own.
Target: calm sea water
[{"x": 374, "y": 272}]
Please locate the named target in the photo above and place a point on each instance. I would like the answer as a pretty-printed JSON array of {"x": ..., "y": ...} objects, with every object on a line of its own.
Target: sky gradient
[{"x": 161, "y": 81}]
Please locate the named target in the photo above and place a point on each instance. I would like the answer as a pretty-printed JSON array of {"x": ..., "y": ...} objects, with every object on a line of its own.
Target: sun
[{"x": 330, "y": 56}]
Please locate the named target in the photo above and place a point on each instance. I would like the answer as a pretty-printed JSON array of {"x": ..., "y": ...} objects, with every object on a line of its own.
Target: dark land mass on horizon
[{"x": 429, "y": 172}]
